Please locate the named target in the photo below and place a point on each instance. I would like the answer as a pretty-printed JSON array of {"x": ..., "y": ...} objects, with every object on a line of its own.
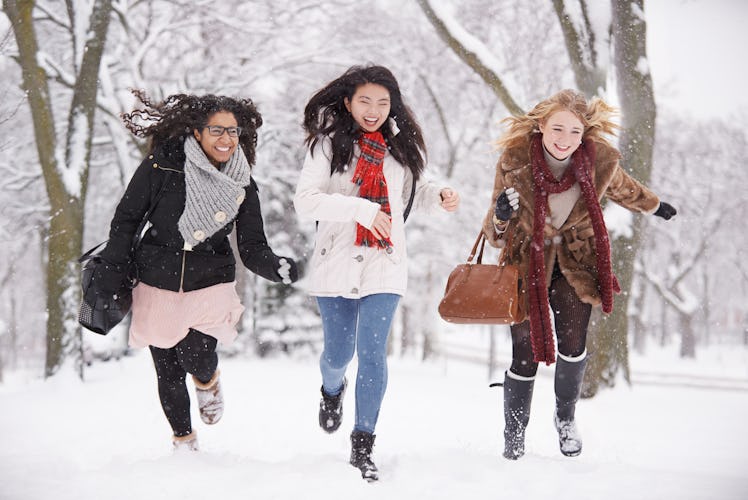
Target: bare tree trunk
[
  {"x": 580, "y": 45},
  {"x": 66, "y": 195},
  {"x": 638, "y": 328},
  {"x": 637, "y": 147},
  {"x": 406, "y": 334},
  {"x": 687, "y": 336}
]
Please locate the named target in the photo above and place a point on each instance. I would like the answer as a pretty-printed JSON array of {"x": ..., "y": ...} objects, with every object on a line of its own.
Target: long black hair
[
  {"x": 326, "y": 115},
  {"x": 179, "y": 114}
]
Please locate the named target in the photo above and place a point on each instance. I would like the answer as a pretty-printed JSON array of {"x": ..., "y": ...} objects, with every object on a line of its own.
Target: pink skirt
[{"x": 162, "y": 318}]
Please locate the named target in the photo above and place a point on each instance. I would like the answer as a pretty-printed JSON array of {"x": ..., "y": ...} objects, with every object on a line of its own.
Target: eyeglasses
[{"x": 217, "y": 130}]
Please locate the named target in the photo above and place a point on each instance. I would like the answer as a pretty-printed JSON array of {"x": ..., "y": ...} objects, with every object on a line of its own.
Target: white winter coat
[{"x": 337, "y": 266}]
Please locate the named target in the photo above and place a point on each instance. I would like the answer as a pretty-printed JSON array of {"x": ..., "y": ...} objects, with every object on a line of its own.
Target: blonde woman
[{"x": 555, "y": 168}]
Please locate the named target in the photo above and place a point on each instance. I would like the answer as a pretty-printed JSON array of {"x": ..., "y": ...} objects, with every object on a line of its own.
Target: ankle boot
[
  {"x": 361, "y": 448},
  {"x": 517, "y": 399},
  {"x": 331, "y": 409},
  {"x": 568, "y": 387},
  {"x": 209, "y": 398},
  {"x": 186, "y": 443}
]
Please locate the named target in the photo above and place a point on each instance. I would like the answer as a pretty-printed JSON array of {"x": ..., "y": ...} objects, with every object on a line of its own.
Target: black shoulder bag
[{"x": 99, "y": 311}]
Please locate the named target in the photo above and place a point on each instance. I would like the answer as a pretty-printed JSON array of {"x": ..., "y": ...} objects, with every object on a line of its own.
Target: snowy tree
[
  {"x": 63, "y": 155},
  {"x": 684, "y": 270}
]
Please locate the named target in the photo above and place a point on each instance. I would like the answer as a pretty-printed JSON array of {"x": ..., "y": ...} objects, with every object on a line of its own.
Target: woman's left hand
[{"x": 450, "y": 199}]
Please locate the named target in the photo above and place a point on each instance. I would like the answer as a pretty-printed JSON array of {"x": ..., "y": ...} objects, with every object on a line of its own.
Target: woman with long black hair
[{"x": 360, "y": 176}]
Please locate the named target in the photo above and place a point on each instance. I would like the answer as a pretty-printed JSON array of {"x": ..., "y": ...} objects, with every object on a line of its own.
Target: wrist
[{"x": 499, "y": 225}]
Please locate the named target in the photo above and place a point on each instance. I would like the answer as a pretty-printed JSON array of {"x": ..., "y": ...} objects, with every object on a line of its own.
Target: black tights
[
  {"x": 571, "y": 317},
  {"x": 194, "y": 354}
]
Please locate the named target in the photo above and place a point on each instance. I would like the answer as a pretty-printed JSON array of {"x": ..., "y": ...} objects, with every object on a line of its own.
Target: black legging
[
  {"x": 194, "y": 354},
  {"x": 571, "y": 317}
]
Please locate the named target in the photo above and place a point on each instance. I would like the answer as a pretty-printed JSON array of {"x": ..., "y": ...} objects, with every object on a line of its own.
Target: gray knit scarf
[{"x": 213, "y": 196}]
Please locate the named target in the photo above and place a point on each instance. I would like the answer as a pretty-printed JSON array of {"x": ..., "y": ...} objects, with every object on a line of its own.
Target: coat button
[
  {"x": 198, "y": 235},
  {"x": 359, "y": 258},
  {"x": 155, "y": 165},
  {"x": 354, "y": 290},
  {"x": 240, "y": 198},
  {"x": 389, "y": 250},
  {"x": 220, "y": 216},
  {"x": 323, "y": 251}
]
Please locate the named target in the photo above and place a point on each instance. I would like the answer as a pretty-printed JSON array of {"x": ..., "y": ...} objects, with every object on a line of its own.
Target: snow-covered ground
[{"x": 438, "y": 437}]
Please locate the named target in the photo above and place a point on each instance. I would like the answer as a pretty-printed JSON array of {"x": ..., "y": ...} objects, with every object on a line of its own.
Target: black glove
[
  {"x": 506, "y": 203},
  {"x": 665, "y": 210},
  {"x": 287, "y": 270}
]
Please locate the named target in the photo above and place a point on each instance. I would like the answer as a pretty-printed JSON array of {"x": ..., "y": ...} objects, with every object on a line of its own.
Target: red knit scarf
[
  {"x": 544, "y": 183},
  {"x": 369, "y": 176}
]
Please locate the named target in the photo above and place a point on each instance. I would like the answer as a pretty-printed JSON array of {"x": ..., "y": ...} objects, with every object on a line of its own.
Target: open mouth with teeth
[{"x": 371, "y": 122}]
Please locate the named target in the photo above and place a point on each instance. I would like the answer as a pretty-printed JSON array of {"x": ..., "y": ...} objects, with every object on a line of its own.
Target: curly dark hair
[
  {"x": 179, "y": 114},
  {"x": 326, "y": 115}
]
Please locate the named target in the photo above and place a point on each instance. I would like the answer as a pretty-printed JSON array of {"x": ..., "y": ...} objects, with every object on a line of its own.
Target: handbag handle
[{"x": 481, "y": 240}]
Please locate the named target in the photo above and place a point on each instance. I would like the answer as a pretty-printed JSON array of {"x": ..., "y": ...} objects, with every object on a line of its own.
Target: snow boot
[
  {"x": 185, "y": 443},
  {"x": 209, "y": 398},
  {"x": 517, "y": 400},
  {"x": 568, "y": 387},
  {"x": 331, "y": 409},
  {"x": 361, "y": 447}
]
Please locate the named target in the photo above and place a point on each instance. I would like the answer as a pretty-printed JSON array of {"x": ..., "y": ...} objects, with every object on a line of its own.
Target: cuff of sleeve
[
  {"x": 366, "y": 213},
  {"x": 500, "y": 225}
]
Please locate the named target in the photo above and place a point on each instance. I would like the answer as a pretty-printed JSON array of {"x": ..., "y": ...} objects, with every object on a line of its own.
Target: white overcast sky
[{"x": 698, "y": 53}]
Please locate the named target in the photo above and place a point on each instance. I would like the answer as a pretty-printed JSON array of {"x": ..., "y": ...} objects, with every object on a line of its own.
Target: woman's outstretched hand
[
  {"x": 666, "y": 211},
  {"x": 450, "y": 199}
]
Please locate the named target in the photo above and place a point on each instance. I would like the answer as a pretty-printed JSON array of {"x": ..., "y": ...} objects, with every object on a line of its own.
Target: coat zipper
[{"x": 181, "y": 276}]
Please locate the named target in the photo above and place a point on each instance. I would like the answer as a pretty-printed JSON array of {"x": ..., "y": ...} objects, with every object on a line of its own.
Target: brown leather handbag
[{"x": 487, "y": 294}]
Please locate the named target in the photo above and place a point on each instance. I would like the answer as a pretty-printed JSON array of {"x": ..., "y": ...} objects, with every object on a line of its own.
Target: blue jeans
[{"x": 362, "y": 325}]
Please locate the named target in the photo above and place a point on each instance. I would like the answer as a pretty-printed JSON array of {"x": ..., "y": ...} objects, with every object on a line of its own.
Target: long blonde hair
[{"x": 595, "y": 115}]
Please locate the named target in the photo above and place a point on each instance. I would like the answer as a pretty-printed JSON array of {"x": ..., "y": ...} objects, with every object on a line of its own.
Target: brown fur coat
[{"x": 574, "y": 243}]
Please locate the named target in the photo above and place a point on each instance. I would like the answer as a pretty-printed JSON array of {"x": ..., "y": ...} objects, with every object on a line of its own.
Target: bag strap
[
  {"x": 139, "y": 233},
  {"x": 410, "y": 200},
  {"x": 503, "y": 256},
  {"x": 83, "y": 258},
  {"x": 481, "y": 240}
]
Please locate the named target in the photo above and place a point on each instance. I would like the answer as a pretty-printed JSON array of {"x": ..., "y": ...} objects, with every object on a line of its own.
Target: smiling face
[
  {"x": 369, "y": 106},
  {"x": 562, "y": 134},
  {"x": 218, "y": 149}
]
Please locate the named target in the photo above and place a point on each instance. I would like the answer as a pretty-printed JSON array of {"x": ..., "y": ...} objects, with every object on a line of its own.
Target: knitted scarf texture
[
  {"x": 369, "y": 176},
  {"x": 213, "y": 196},
  {"x": 544, "y": 183}
]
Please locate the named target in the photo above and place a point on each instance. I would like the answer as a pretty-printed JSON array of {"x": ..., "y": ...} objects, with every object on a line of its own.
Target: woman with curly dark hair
[
  {"x": 361, "y": 175},
  {"x": 198, "y": 172}
]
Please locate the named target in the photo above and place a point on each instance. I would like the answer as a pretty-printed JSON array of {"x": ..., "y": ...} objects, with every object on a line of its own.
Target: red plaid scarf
[
  {"x": 369, "y": 176},
  {"x": 582, "y": 164}
]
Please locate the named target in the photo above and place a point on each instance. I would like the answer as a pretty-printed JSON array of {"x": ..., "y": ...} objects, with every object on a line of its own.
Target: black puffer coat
[{"x": 160, "y": 259}]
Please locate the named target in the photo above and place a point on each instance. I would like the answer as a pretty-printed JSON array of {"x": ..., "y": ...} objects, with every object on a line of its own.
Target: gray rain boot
[
  {"x": 517, "y": 399},
  {"x": 568, "y": 386}
]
